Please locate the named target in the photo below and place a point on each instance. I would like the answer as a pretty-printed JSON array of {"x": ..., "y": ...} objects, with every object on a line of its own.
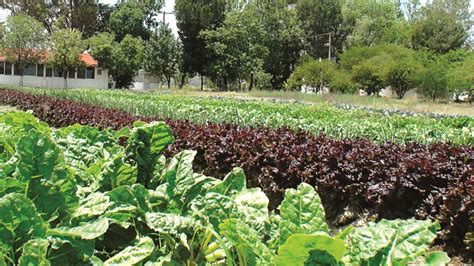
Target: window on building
[
  {"x": 57, "y": 73},
  {"x": 8, "y": 68},
  {"x": 90, "y": 73},
  {"x": 49, "y": 71},
  {"x": 99, "y": 71},
  {"x": 29, "y": 70},
  {"x": 81, "y": 73},
  {"x": 2, "y": 68},
  {"x": 16, "y": 70},
  {"x": 39, "y": 70},
  {"x": 72, "y": 74}
]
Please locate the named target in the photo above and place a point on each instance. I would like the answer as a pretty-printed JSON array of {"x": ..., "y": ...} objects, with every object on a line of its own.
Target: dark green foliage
[
  {"x": 319, "y": 17},
  {"x": 192, "y": 18},
  {"x": 128, "y": 18},
  {"x": 441, "y": 27}
]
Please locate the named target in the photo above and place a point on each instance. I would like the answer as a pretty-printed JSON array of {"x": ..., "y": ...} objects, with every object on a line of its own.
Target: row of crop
[
  {"x": 75, "y": 196},
  {"x": 318, "y": 119},
  {"x": 353, "y": 177}
]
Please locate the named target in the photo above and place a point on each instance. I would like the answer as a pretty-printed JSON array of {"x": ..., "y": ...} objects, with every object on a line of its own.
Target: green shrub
[
  {"x": 341, "y": 82},
  {"x": 311, "y": 73}
]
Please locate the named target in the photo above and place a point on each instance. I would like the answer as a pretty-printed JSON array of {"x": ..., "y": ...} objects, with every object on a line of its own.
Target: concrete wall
[{"x": 99, "y": 81}]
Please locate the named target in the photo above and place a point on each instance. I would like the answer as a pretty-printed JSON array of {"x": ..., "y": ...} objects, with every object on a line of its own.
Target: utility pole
[
  {"x": 328, "y": 44},
  {"x": 164, "y": 15}
]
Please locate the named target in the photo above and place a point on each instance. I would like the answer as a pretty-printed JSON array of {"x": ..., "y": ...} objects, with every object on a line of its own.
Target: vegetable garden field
[{"x": 96, "y": 177}]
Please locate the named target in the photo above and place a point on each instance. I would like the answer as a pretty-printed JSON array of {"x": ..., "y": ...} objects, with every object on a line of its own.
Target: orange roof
[{"x": 86, "y": 58}]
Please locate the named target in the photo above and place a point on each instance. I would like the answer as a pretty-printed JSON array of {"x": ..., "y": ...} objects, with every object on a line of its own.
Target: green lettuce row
[
  {"x": 318, "y": 119},
  {"x": 74, "y": 196}
]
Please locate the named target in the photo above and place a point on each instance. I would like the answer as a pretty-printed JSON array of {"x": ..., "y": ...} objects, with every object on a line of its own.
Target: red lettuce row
[{"x": 353, "y": 177}]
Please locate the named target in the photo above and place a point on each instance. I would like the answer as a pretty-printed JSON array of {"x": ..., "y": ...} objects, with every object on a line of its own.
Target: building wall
[{"x": 99, "y": 81}]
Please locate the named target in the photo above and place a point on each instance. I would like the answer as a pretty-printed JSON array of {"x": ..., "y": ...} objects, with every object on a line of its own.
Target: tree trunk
[
  {"x": 21, "y": 74},
  {"x": 202, "y": 82},
  {"x": 400, "y": 93},
  {"x": 226, "y": 86},
  {"x": 168, "y": 79},
  {"x": 251, "y": 82},
  {"x": 65, "y": 78},
  {"x": 181, "y": 83}
]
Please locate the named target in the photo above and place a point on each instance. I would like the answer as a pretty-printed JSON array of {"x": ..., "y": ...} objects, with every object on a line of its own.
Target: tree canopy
[
  {"x": 23, "y": 41},
  {"x": 162, "y": 54},
  {"x": 66, "y": 47}
]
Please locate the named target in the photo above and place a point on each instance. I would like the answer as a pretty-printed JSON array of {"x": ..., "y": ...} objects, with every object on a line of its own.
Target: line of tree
[
  {"x": 243, "y": 44},
  {"x": 249, "y": 43},
  {"x": 124, "y": 38},
  {"x": 388, "y": 65}
]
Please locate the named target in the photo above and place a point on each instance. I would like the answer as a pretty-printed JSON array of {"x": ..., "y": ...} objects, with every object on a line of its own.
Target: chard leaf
[
  {"x": 247, "y": 242},
  {"x": 169, "y": 223},
  {"x": 301, "y": 211},
  {"x": 93, "y": 205},
  {"x": 233, "y": 183},
  {"x": 252, "y": 205},
  {"x": 437, "y": 258},
  {"x": 413, "y": 237},
  {"x": 179, "y": 173},
  {"x": 87, "y": 231},
  {"x": 144, "y": 147},
  {"x": 318, "y": 248},
  {"x": 115, "y": 173},
  {"x": 198, "y": 190},
  {"x": 164, "y": 261},
  {"x": 19, "y": 222},
  {"x": 215, "y": 208},
  {"x": 124, "y": 206},
  {"x": 11, "y": 185},
  {"x": 365, "y": 243},
  {"x": 78, "y": 242},
  {"x": 41, "y": 165},
  {"x": 34, "y": 253},
  {"x": 133, "y": 254}
]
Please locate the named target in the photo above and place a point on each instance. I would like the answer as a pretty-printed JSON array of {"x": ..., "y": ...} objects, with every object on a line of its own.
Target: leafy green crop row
[
  {"x": 318, "y": 119},
  {"x": 75, "y": 196}
]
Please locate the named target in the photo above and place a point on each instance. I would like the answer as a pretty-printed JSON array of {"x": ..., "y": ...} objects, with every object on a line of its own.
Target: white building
[{"x": 40, "y": 75}]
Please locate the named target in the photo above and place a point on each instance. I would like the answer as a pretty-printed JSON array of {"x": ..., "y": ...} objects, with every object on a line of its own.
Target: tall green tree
[
  {"x": 122, "y": 59},
  {"x": 433, "y": 81},
  {"x": 151, "y": 8},
  {"x": 237, "y": 47},
  {"x": 129, "y": 18},
  {"x": 71, "y": 14},
  {"x": 368, "y": 21},
  {"x": 402, "y": 74},
  {"x": 282, "y": 39},
  {"x": 460, "y": 77},
  {"x": 192, "y": 17},
  {"x": 162, "y": 54},
  {"x": 319, "y": 17},
  {"x": 66, "y": 47},
  {"x": 23, "y": 41},
  {"x": 442, "y": 26},
  {"x": 370, "y": 74}
]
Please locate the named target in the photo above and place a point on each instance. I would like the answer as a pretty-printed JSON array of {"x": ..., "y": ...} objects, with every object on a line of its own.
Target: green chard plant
[{"x": 74, "y": 196}]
